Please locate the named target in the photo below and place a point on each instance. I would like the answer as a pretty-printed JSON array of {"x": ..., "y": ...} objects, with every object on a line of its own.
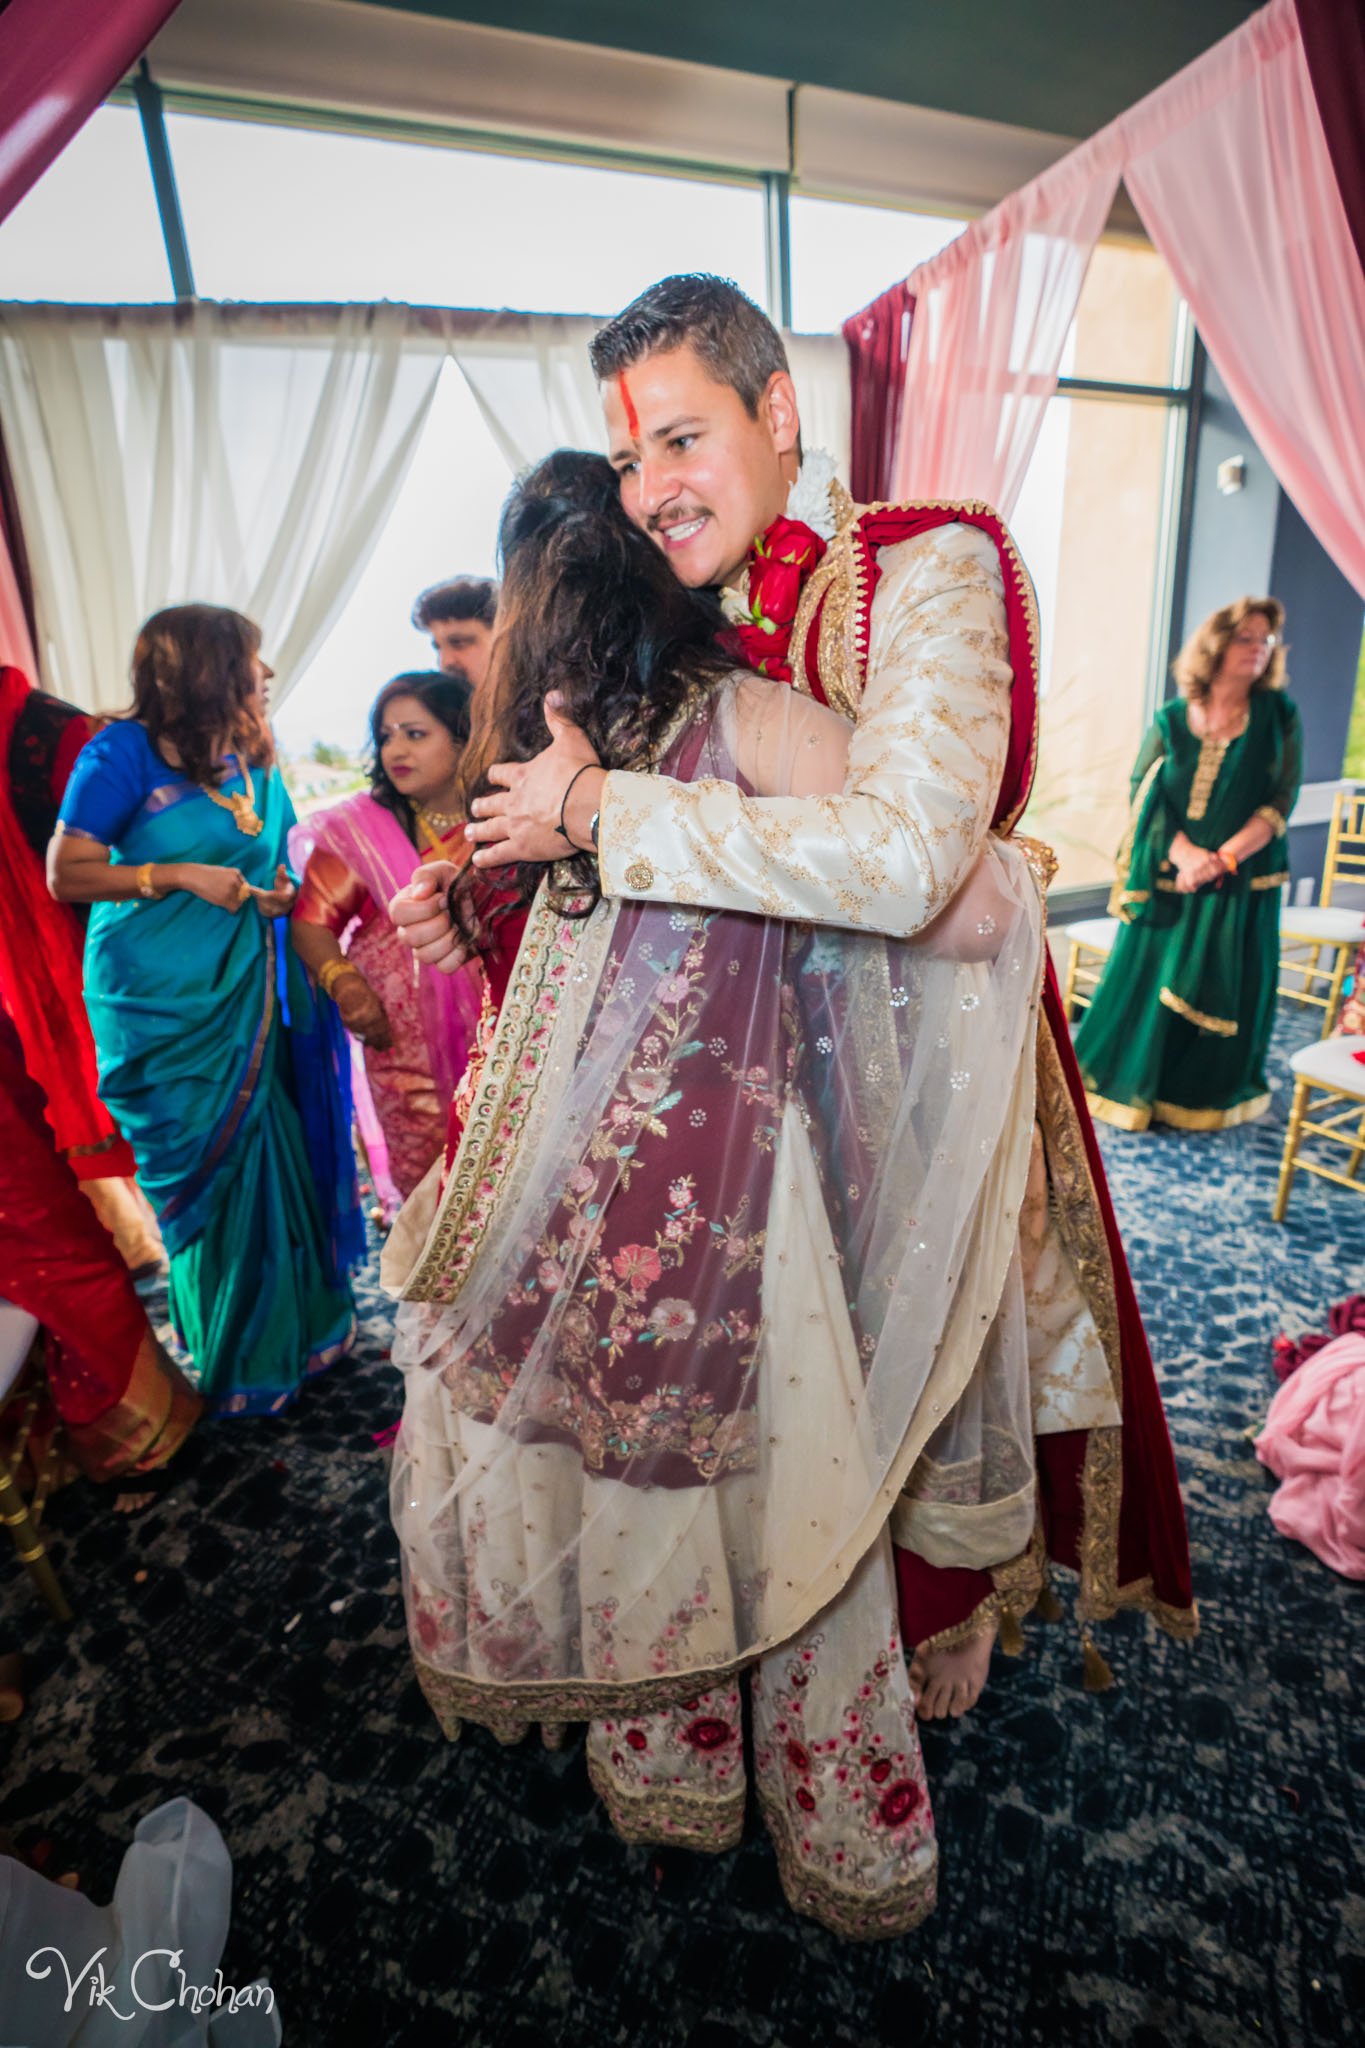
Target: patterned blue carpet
[{"x": 1178, "y": 1860}]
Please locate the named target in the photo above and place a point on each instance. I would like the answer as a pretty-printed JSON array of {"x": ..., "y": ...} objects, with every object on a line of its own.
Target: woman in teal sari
[
  {"x": 211, "y": 1048},
  {"x": 1181, "y": 1021}
]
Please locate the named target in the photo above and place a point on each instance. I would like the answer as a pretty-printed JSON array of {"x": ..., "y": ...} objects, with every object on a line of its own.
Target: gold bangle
[
  {"x": 331, "y": 972},
  {"x": 144, "y": 883}
]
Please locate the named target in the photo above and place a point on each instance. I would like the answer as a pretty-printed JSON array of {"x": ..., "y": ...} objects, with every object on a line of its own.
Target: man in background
[{"x": 459, "y": 615}]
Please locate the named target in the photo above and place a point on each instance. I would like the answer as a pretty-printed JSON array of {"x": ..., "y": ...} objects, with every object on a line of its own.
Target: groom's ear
[{"x": 778, "y": 407}]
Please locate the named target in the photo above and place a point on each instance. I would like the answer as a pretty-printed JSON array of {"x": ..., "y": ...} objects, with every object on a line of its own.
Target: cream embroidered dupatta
[{"x": 733, "y": 1225}]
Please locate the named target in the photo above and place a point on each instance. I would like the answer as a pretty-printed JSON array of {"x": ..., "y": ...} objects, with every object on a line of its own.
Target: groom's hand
[{"x": 520, "y": 820}]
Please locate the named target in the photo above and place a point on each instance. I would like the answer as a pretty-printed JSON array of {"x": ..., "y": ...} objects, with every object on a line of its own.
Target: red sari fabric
[
  {"x": 1153, "y": 1544},
  {"x": 122, "y": 1403},
  {"x": 40, "y": 971}
]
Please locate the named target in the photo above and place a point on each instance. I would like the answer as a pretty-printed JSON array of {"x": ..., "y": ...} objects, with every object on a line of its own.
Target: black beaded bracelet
[{"x": 565, "y": 805}]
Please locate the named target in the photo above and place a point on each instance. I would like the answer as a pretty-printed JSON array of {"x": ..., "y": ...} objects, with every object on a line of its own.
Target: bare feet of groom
[{"x": 948, "y": 1683}]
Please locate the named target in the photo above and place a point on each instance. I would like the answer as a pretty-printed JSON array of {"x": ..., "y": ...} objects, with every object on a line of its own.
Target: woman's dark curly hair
[
  {"x": 590, "y": 608},
  {"x": 447, "y": 698},
  {"x": 194, "y": 682}
]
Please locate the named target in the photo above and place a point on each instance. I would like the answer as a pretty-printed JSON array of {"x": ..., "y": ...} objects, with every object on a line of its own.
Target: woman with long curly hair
[
  {"x": 213, "y": 1055},
  {"x": 353, "y": 857},
  {"x": 1181, "y": 1021}
]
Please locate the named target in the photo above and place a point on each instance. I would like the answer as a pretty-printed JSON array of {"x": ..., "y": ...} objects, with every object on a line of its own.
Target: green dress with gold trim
[{"x": 1179, "y": 1027}]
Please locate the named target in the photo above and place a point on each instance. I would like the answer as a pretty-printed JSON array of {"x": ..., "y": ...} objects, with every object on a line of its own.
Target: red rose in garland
[{"x": 779, "y": 563}]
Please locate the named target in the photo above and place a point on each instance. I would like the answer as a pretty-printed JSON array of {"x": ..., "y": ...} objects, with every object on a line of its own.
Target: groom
[{"x": 918, "y": 622}]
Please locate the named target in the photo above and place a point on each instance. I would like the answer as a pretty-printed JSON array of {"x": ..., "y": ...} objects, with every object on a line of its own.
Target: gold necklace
[
  {"x": 434, "y": 825},
  {"x": 243, "y": 808},
  {"x": 1225, "y": 734}
]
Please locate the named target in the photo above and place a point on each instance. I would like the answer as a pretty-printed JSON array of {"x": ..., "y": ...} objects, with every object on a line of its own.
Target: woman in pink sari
[{"x": 416, "y": 1033}]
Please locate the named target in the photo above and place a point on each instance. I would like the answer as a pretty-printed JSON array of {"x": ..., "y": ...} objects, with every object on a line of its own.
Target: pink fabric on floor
[{"x": 1314, "y": 1443}]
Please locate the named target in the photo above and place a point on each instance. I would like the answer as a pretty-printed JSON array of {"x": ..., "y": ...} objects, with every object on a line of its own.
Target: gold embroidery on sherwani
[
  {"x": 1030, "y": 603},
  {"x": 1082, "y": 1227},
  {"x": 924, "y": 768}
]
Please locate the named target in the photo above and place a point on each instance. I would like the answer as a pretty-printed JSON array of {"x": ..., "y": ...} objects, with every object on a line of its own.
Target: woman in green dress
[{"x": 1179, "y": 1027}]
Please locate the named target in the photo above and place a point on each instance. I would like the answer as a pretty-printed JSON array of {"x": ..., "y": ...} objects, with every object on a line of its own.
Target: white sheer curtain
[
  {"x": 992, "y": 313},
  {"x": 245, "y": 456},
  {"x": 250, "y": 455},
  {"x": 533, "y": 383}
]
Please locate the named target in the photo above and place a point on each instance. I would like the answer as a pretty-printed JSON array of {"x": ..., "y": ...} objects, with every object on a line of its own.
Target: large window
[
  {"x": 292, "y": 213},
  {"x": 89, "y": 229},
  {"x": 1089, "y": 524},
  {"x": 843, "y": 256},
  {"x": 1094, "y": 525}
]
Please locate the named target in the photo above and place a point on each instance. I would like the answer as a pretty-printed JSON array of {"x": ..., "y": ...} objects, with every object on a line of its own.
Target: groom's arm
[{"x": 924, "y": 771}]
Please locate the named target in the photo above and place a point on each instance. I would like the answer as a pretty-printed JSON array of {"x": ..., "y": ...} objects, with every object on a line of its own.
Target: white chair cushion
[
  {"x": 1328, "y": 1063},
  {"x": 1328, "y": 927},
  {"x": 1098, "y": 933},
  {"x": 17, "y": 1332}
]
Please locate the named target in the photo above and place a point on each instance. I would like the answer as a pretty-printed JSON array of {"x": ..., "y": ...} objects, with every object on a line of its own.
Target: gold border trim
[
  {"x": 1222, "y": 1027},
  {"x": 1276, "y": 820},
  {"x": 1128, "y": 1116},
  {"x": 1123, "y": 1116},
  {"x": 881, "y": 1916},
  {"x": 671, "y": 1816},
  {"x": 845, "y": 682},
  {"x": 1211, "y": 1119},
  {"x": 511, "y": 1707}
]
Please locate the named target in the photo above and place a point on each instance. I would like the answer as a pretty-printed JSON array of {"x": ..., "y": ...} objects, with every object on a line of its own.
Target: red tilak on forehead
[{"x": 632, "y": 417}]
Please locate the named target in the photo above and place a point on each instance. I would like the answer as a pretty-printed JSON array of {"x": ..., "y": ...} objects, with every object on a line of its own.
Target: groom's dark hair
[{"x": 737, "y": 343}]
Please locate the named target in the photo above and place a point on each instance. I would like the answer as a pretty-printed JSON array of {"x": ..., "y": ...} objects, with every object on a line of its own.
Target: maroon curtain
[
  {"x": 878, "y": 345},
  {"x": 58, "y": 60},
  {"x": 1333, "y": 33}
]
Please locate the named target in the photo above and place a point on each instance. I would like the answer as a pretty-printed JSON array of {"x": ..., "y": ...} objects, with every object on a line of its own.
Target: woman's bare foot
[{"x": 948, "y": 1683}]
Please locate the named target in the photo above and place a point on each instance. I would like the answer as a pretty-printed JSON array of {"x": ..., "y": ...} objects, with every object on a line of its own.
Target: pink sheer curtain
[
  {"x": 16, "y": 585},
  {"x": 58, "y": 59},
  {"x": 992, "y": 313},
  {"x": 16, "y": 648},
  {"x": 1229, "y": 168}
]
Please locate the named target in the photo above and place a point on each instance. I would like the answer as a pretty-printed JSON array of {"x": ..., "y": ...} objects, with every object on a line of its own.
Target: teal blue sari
[{"x": 208, "y": 1034}]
